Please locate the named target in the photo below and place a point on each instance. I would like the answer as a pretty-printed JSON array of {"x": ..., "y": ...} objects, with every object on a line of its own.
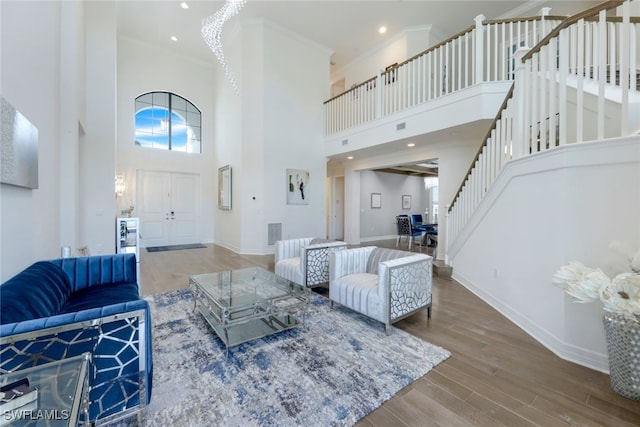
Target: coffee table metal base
[
  {"x": 268, "y": 310},
  {"x": 234, "y": 334}
]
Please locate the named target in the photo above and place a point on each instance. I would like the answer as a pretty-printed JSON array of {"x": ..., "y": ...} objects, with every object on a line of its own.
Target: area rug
[
  {"x": 332, "y": 371},
  {"x": 175, "y": 247}
]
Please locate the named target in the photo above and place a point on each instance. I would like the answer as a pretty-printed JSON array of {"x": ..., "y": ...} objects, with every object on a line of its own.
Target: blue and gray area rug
[{"x": 332, "y": 371}]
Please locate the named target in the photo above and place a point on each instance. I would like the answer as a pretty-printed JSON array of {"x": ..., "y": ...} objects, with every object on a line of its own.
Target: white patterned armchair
[
  {"x": 305, "y": 261},
  {"x": 384, "y": 284}
]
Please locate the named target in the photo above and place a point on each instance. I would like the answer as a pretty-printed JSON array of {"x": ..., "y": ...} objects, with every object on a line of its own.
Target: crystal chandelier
[{"x": 212, "y": 34}]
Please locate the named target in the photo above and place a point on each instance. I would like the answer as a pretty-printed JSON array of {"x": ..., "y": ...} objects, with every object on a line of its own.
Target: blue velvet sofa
[{"x": 64, "y": 307}]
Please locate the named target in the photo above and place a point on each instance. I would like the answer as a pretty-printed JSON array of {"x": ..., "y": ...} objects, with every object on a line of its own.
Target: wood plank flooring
[{"x": 497, "y": 375}]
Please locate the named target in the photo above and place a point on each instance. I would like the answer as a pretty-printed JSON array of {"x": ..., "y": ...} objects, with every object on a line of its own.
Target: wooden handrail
[
  {"x": 484, "y": 144},
  {"x": 529, "y": 18},
  {"x": 351, "y": 89},
  {"x": 585, "y": 14},
  {"x": 444, "y": 42}
]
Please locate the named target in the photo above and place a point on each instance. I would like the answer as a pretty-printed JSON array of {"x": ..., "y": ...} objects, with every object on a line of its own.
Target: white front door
[{"x": 168, "y": 208}]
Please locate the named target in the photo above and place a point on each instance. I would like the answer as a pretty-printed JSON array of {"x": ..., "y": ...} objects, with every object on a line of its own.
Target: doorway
[
  {"x": 168, "y": 208},
  {"x": 336, "y": 208}
]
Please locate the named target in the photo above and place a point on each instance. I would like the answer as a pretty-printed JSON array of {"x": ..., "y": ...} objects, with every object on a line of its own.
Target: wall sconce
[{"x": 119, "y": 186}]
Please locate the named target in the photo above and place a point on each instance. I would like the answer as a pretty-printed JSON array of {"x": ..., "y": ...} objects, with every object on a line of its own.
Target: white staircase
[{"x": 563, "y": 93}]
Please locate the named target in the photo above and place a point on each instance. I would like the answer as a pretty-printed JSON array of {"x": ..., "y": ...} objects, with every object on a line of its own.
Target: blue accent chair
[
  {"x": 404, "y": 229},
  {"x": 416, "y": 220},
  {"x": 65, "y": 307}
]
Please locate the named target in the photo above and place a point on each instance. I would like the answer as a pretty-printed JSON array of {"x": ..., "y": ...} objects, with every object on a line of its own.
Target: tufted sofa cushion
[
  {"x": 379, "y": 255},
  {"x": 48, "y": 290}
]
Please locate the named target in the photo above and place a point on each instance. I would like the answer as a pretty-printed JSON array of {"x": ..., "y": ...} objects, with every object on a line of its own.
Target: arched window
[{"x": 168, "y": 122}]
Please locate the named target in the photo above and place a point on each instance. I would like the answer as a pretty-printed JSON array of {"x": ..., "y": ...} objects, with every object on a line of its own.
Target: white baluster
[
  {"x": 552, "y": 60},
  {"x": 580, "y": 82},
  {"x": 563, "y": 72},
  {"x": 602, "y": 70},
  {"x": 479, "y": 50},
  {"x": 624, "y": 67},
  {"x": 533, "y": 96},
  {"x": 542, "y": 105}
]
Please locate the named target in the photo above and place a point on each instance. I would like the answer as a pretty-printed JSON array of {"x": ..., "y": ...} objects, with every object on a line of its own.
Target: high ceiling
[{"x": 347, "y": 28}]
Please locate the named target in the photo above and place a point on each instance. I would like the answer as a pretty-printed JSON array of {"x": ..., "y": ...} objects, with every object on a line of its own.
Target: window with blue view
[{"x": 167, "y": 121}]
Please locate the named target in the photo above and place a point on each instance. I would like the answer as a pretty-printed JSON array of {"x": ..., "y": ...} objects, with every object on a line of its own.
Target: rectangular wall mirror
[{"x": 224, "y": 188}]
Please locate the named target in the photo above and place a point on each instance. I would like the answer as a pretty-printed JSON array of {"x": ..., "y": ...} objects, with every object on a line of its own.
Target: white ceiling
[{"x": 347, "y": 28}]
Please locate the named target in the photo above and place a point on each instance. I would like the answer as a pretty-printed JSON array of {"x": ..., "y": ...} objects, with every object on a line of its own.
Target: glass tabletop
[
  {"x": 59, "y": 393},
  {"x": 245, "y": 286}
]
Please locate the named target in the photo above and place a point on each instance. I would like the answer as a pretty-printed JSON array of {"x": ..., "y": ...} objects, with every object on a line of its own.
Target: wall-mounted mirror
[{"x": 224, "y": 188}]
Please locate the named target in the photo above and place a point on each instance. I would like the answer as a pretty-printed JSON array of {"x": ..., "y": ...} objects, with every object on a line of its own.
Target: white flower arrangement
[{"x": 620, "y": 295}]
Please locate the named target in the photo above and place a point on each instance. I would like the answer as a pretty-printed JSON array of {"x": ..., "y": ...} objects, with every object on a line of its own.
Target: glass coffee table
[{"x": 246, "y": 304}]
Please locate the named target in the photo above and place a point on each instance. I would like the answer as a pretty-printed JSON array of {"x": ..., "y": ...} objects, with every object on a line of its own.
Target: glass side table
[{"x": 63, "y": 394}]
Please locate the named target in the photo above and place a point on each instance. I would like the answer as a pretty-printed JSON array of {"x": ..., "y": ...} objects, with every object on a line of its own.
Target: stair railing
[
  {"x": 480, "y": 53},
  {"x": 563, "y": 89}
]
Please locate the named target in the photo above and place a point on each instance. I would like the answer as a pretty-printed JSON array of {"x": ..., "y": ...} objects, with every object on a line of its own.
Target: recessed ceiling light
[
  {"x": 350, "y": 157},
  {"x": 382, "y": 29},
  {"x": 184, "y": 5},
  {"x": 174, "y": 38},
  {"x": 411, "y": 144}
]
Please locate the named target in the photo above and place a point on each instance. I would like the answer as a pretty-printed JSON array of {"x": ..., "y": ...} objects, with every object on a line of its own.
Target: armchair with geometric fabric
[
  {"x": 305, "y": 261},
  {"x": 384, "y": 284}
]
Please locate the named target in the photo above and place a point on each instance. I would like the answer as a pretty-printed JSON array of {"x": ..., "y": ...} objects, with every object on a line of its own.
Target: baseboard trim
[{"x": 569, "y": 352}]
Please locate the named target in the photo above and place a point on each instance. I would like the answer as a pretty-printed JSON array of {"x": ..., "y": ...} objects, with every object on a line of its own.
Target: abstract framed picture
[
  {"x": 297, "y": 187},
  {"x": 18, "y": 148},
  {"x": 406, "y": 201}
]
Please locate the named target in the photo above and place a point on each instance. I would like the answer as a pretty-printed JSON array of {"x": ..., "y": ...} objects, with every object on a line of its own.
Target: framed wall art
[
  {"x": 406, "y": 201},
  {"x": 297, "y": 187},
  {"x": 376, "y": 200},
  {"x": 18, "y": 148},
  {"x": 224, "y": 188}
]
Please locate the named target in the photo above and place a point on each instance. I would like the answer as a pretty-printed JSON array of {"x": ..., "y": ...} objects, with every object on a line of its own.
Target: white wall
[
  {"x": 143, "y": 68},
  {"x": 295, "y": 74},
  {"x": 376, "y": 224},
  {"x": 97, "y": 147},
  {"x": 29, "y": 80},
  {"x": 72, "y": 118},
  {"x": 406, "y": 44},
  {"x": 542, "y": 212},
  {"x": 228, "y": 136},
  {"x": 454, "y": 157},
  {"x": 276, "y": 124}
]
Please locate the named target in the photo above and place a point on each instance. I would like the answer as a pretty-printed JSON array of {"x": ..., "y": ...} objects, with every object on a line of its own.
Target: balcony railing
[
  {"x": 564, "y": 89},
  {"x": 480, "y": 53}
]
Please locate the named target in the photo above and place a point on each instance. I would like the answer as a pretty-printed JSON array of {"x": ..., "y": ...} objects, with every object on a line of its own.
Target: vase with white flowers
[{"x": 620, "y": 298}]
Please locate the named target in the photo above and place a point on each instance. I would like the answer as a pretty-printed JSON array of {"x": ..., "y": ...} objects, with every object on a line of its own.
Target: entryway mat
[{"x": 175, "y": 247}]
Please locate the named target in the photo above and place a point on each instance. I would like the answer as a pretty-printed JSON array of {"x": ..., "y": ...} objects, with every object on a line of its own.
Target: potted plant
[{"x": 620, "y": 298}]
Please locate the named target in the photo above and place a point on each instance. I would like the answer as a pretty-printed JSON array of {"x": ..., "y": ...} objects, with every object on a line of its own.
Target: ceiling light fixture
[
  {"x": 212, "y": 34},
  {"x": 184, "y": 5},
  {"x": 350, "y": 157},
  {"x": 174, "y": 38},
  {"x": 382, "y": 29},
  {"x": 411, "y": 144}
]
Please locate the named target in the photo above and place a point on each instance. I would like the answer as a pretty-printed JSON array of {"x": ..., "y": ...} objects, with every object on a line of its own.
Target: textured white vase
[{"x": 623, "y": 344}]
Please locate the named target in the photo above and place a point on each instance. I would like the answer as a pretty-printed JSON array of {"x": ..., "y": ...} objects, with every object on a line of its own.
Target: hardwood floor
[{"x": 497, "y": 375}]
